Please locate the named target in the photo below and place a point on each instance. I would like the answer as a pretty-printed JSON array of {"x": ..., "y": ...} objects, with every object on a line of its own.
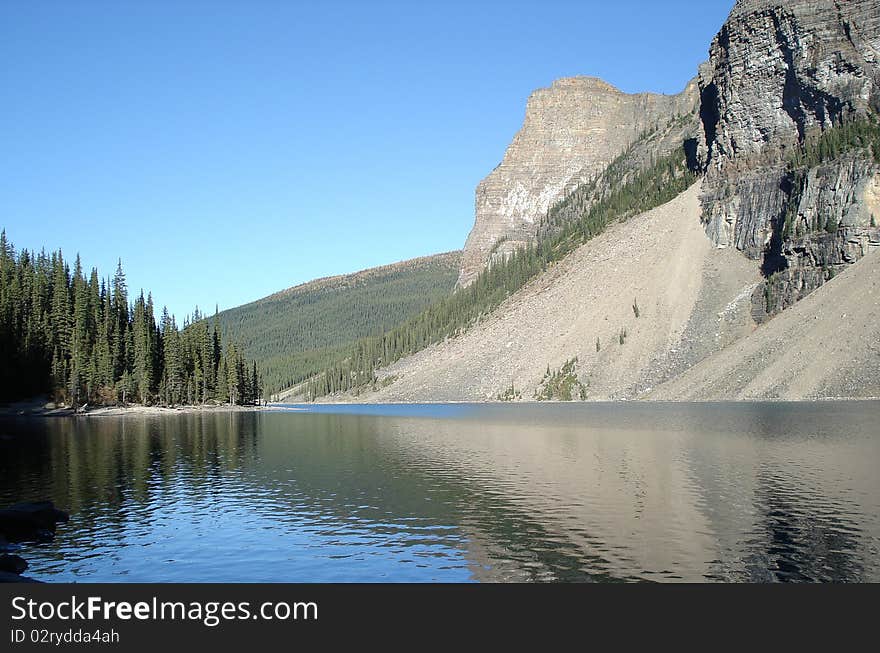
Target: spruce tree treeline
[
  {"x": 849, "y": 134},
  {"x": 81, "y": 341},
  {"x": 660, "y": 182}
]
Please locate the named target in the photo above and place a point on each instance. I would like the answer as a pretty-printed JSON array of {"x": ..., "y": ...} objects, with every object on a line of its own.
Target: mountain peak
[{"x": 572, "y": 130}]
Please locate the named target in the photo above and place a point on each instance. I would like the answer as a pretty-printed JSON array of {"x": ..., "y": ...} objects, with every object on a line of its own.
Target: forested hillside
[
  {"x": 664, "y": 179},
  {"x": 82, "y": 341},
  {"x": 297, "y": 332}
]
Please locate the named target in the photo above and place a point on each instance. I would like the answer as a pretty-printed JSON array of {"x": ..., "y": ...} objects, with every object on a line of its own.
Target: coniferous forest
[{"x": 82, "y": 340}]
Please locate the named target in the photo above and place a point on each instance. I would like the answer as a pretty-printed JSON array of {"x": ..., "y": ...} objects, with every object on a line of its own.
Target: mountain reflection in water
[{"x": 523, "y": 492}]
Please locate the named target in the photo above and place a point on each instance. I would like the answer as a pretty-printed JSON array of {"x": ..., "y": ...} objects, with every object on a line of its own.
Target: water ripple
[{"x": 501, "y": 493}]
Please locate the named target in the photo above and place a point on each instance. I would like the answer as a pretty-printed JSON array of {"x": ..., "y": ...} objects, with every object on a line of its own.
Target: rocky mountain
[
  {"x": 632, "y": 307},
  {"x": 651, "y": 310},
  {"x": 777, "y": 70},
  {"x": 825, "y": 346},
  {"x": 782, "y": 77},
  {"x": 648, "y": 246},
  {"x": 572, "y": 131},
  {"x": 778, "y": 74},
  {"x": 679, "y": 301}
]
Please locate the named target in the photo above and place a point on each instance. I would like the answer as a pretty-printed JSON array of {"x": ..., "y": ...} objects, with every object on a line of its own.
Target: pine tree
[
  {"x": 61, "y": 314},
  {"x": 119, "y": 324},
  {"x": 221, "y": 391},
  {"x": 80, "y": 337},
  {"x": 172, "y": 359},
  {"x": 232, "y": 375},
  {"x": 103, "y": 357},
  {"x": 143, "y": 351},
  {"x": 255, "y": 385}
]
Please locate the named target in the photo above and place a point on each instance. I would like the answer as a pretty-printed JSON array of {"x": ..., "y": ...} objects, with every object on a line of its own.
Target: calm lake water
[{"x": 521, "y": 492}]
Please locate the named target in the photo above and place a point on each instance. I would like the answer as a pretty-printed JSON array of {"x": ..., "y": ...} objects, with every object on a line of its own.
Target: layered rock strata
[
  {"x": 778, "y": 74},
  {"x": 572, "y": 131}
]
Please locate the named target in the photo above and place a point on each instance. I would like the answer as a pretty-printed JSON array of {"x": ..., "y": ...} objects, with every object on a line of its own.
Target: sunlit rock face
[
  {"x": 572, "y": 130},
  {"x": 778, "y": 71},
  {"x": 778, "y": 74}
]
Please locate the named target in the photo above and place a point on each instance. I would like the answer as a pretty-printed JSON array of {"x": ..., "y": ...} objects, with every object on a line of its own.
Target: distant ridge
[
  {"x": 341, "y": 280},
  {"x": 296, "y": 332}
]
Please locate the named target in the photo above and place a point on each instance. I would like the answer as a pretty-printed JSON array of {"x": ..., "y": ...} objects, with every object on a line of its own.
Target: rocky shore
[{"x": 25, "y": 523}]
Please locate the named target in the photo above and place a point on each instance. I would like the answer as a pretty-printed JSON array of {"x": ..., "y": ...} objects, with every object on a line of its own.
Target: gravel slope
[
  {"x": 692, "y": 300},
  {"x": 825, "y": 346},
  {"x": 694, "y": 339}
]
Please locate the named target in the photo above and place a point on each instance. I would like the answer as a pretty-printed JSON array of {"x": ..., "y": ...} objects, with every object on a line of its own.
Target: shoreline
[
  {"x": 48, "y": 410},
  {"x": 38, "y": 408}
]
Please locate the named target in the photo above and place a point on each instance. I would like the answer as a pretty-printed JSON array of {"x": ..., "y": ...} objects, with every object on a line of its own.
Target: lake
[{"x": 457, "y": 492}]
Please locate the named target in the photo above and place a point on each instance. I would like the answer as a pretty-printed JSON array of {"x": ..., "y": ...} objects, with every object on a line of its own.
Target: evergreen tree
[
  {"x": 221, "y": 391},
  {"x": 119, "y": 324},
  {"x": 103, "y": 356},
  {"x": 256, "y": 390},
  {"x": 143, "y": 353},
  {"x": 173, "y": 360},
  {"x": 80, "y": 337}
]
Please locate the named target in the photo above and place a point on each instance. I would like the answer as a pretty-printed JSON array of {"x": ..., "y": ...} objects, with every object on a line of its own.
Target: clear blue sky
[{"x": 226, "y": 150}]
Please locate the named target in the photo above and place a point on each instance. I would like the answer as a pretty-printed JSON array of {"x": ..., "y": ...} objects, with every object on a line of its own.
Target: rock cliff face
[
  {"x": 778, "y": 69},
  {"x": 572, "y": 130},
  {"x": 777, "y": 73},
  {"x": 833, "y": 211}
]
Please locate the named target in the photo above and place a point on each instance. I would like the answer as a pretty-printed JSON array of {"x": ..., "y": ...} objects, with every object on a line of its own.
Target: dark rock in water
[
  {"x": 25, "y": 522},
  {"x": 13, "y": 564},
  {"x": 30, "y": 521},
  {"x": 9, "y": 577}
]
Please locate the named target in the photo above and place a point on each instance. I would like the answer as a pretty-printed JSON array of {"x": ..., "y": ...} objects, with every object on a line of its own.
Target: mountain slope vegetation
[{"x": 297, "y": 332}]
